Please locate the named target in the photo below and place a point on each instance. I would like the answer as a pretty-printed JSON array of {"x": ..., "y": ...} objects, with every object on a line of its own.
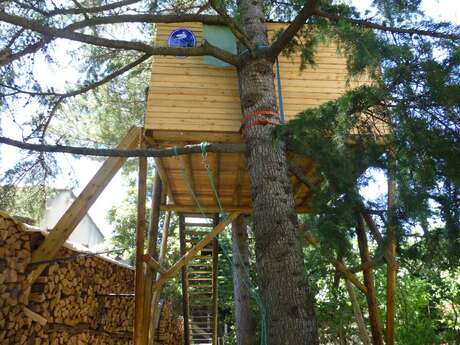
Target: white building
[{"x": 86, "y": 233}]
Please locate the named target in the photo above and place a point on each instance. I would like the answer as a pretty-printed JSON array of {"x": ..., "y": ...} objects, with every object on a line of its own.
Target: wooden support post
[
  {"x": 75, "y": 213},
  {"x": 391, "y": 265},
  {"x": 139, "y": 331},
  {"x": 363, "y": 334},
  {"x": 154, "y": 317},
  {"x": 184, "y": 282},
  {"x": 371, "y": 296},
  {"x": 192, "y": 253},
  {"x": 215, "y": 273},
  {"x": 152, "y": 253}
]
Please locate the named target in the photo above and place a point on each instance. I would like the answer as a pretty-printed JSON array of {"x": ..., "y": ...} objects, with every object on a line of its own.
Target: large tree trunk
[
  {"x": 245, "y": 323},
  {"x": 280, "y": 266}
]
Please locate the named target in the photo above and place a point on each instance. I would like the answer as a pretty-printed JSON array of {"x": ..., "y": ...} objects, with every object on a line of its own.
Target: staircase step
[
  {"x": 199, "y": 278},
  {"x": 199, "y": 224},
  {"x": 197, "y": 232},
  {"x": 201, "y": 272}
]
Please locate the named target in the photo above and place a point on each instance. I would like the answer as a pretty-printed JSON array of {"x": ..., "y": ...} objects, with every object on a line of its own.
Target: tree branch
[
  {"x": 339, "y": 266},
  {"x": 234, "y": 27},
  {"x": 368, "y": 24},
  {"x": 149, "y": 18},
  {"x": 204, "y": 49},
  {"x": 307, "y": 11},
  {"x": 87, "y": 151},
  {"x": 95, "y": 9},
  {"x": 8, "y": 58}
]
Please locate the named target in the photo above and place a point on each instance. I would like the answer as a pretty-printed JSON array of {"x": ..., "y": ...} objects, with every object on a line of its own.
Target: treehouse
[
  {"x": 193, "y": 100},
  {"x": 196, "y": 99}
]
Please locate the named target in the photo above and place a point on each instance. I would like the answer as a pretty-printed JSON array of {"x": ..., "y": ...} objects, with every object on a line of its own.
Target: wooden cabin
[{"x": 194, "y": 99}]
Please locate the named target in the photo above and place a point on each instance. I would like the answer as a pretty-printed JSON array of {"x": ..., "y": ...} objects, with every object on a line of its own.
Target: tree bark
[
  {"x": 371, "y": 295},
  {"x": 280, "y": 266},
  {"x": 245, "y": 323}
]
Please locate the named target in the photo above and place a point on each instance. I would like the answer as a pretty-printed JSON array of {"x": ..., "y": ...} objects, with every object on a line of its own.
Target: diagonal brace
[
  {"x": 153, "y": 264},
  {"x": 192, "y": 253}
]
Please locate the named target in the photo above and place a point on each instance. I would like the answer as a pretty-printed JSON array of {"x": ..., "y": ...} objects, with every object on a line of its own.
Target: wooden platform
[{"x": 189, "y": 183}]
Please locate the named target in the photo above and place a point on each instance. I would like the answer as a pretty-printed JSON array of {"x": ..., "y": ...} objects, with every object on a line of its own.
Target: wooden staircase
[{"x": 199, "y": 283}]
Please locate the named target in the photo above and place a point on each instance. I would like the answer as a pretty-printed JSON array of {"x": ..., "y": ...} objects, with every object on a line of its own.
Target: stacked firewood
[
  {"x": 170, "y": 329},
  {"x": 14, "y": 257},
  {"x": 80, "y": 298}
]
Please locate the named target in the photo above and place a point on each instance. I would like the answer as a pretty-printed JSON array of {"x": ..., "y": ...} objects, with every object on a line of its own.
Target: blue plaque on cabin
[{"x": 182, "y": 38}]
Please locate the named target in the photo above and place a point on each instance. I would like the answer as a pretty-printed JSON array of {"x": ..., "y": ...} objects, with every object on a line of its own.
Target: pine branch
[
  {"x": 87, "y": 151},
  {"x": 234, "y": 27},
  {"x": 149, "y": 18},
  {"x": 82, "y": 10},
  {"x": 371, "y": 25},
  {"x": 283, "y": 40},
  {"x": 84, "y": 89}
]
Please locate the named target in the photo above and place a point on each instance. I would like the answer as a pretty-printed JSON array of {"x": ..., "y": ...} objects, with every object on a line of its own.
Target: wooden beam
[
  {"x": 185, "y": 259},
  {"x": 215, "y": 170},
  {"x": 149, "y": 258},
  {"x": 238, "y": 181},
  {"x": 139, "y": 331},
  {"x": 159, "y": 166},
  {"x": 79, "y": 208},
  {"x": 192, "y": 210},
  {"x": 206, "y": 210},
  {"x": 339, "y": 266},
  {"x": 153, "y": 264},
  {"x": 154, "y": 317},
  {"x": 184, "y": 283},
  {"x": 188, "y": 175},
  {"x": 215, "y": 273}
]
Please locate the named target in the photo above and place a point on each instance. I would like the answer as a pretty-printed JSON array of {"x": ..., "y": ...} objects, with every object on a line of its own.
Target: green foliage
[{"x": 26, "y": 203}]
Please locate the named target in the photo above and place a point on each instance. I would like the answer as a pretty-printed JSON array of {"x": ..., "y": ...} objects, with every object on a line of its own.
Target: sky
[{"x": 83, "y": 169}]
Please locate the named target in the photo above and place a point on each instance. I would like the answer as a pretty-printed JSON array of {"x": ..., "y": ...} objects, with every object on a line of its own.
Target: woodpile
[
  {"x": 79, "y": 299},
  {"x": 170, "y": 330}
]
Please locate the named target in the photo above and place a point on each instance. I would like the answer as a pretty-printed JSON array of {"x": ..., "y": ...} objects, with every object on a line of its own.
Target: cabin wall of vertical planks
[{"x": 188, "y": 96}]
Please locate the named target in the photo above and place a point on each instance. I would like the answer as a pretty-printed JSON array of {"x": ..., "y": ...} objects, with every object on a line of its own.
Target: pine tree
[{"x": 416, "y": 95}]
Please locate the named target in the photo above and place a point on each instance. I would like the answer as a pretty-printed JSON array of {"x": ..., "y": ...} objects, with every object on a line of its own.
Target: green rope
[
  {"x": 204, "y": 155},
  {"x": 246, "y": 279},
  {"x": 254, "y": 294}
]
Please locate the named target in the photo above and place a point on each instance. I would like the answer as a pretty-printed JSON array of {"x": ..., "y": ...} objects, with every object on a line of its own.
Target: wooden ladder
[{"x": 199, "y": 285}]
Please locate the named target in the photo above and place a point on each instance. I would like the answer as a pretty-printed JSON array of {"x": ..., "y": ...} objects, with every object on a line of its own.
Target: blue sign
[{"x": 182, "y": 38}]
